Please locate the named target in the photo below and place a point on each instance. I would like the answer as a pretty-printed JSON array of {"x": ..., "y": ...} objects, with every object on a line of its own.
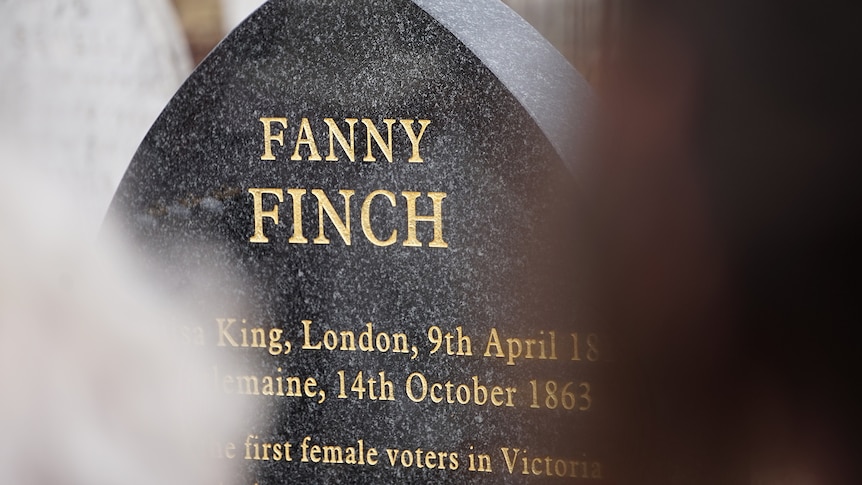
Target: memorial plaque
[{"x": 374, "y": 191}]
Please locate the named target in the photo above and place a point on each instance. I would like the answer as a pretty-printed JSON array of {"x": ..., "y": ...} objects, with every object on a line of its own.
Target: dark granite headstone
[{"x": 376, "y": 191}]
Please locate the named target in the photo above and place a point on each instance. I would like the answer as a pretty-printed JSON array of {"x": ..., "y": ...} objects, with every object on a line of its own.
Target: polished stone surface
[{"x": 187, "y": 201}]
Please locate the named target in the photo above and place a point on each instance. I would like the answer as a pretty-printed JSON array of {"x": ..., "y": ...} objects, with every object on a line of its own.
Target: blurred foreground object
[
  {"x": 97, "y": 388},
  {"x": 728, "y": 231},
  {"x": 80, "y": 83}
]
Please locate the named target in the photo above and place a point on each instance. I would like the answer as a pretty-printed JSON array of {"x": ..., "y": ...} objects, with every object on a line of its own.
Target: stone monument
[{"x": 367, "y": 198}]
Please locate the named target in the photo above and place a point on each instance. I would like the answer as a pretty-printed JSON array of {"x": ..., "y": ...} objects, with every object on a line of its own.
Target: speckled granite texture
[{"x": 185, "y": 201}]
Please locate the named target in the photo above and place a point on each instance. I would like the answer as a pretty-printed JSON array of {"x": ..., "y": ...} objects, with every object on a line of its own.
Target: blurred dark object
[
  {"x": 574, "y": 27},
  {"x": 726, "y": 226}
]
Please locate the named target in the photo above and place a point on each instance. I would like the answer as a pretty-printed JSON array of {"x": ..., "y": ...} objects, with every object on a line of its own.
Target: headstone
[
  {"x": 80, "y": 83},
  {"x": 375, "y": 193}
]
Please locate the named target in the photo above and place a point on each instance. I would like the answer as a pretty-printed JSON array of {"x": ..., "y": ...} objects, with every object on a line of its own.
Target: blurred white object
[
  {"x": 80, "y": 84},
  {"x": 94, "y": 389},
  {"x": 97, "y": 388},
  {"x": 235, "y": 11}
]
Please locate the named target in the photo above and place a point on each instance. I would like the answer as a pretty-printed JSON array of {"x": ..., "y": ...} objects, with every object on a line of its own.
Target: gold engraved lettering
[
  {"x": 369, "y": 340},
  {"x": 494, "y": 340},
  {"x": 418, "y": 390},
  {"x": 372, "y": 133},
  {"x": 422, "y": 458},
  {"x": 331, "y": 454},
  {"x": 307, "y": 332},
  {"x": 255, "y": 450},
  {"x": 259, "y": 213},
  {"x": 275, "y": 134},
  {"x": 296, "y": 197},
  {"x": 520, "y": 348},
  {"x": 436, "y": 337},
  {"x": 224, "y": 337},
  {"x": 269, "y": 137},
  {"x": 326, "y": 210},
  {"x": 366, "y": 219},
  {"x": 592, "y": 350},
  {"x": 305, "y": 137},
  {"x": 270, "y": 385},
  {"x": 436, "y": 219},
  {"x": 379, "y": 389},
  {"x": 336, "y": 134},
  {"x": 414, "y": 138},
  {"x": 325, "y": 206},
  {"x": 480, "y": 463},
  {"x": 230, "y": 451},
  {"x": 561, "y": 395},
  {"x": 517, "y": 460},
  {"x": 251, "y": 337}
]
